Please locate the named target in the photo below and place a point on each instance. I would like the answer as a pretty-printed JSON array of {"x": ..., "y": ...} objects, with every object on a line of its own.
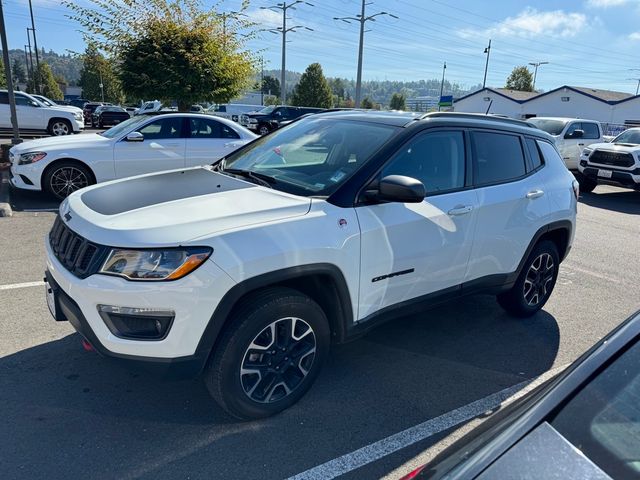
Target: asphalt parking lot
[{"x": 67, "y": 413}]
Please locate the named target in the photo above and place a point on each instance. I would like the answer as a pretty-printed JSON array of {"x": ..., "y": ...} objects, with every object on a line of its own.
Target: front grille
[
  {"x": 616, "y": 159},
  {"x": 76, "y": 253}
]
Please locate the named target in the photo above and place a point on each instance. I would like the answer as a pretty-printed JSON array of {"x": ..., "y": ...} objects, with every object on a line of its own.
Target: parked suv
[
  {"x": 34, "y": 117},
  {"x": 571, "y": 136},
  {"x": 269, "y": 118},
  {"x": 249, "y": 269},
  {"x": 616, "y": 162}
]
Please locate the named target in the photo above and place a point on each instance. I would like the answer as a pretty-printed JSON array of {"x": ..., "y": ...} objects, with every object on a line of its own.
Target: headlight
[
  {"x": 31, "y": 157},
  {"x": 78, "y": 115},
  {"x": 587, "y": 151},
  {"x": 155, "y": 264},
  {"x": 252, "y": 120}
]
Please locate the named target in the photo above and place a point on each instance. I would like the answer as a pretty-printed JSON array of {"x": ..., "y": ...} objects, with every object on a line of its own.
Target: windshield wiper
[{"x": 260, "y": 178}]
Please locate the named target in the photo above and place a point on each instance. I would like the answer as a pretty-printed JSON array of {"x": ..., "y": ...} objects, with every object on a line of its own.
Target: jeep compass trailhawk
[{"x": 247, "y": 270}]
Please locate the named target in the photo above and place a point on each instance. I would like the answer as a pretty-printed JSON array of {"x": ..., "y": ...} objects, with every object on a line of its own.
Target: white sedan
[{"x": 142, "y": 144}]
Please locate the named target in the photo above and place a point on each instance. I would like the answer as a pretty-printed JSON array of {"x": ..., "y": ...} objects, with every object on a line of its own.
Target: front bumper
[
  {"x": 625, "y": 178},
  {"x": 193, "y": 298},
  {"x": 25, "y": 177}
]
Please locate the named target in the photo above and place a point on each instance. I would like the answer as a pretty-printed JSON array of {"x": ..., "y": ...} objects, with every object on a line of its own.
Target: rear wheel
[
  {"x": 270, "y": 355},
  {"x": 586, "y": 184},
  {"x": 535, "y": 283},
  {"x": 64, "y": 178}
]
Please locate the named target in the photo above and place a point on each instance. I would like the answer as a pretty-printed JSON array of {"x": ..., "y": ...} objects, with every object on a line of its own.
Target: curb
[{"x": 5, "y": 204}]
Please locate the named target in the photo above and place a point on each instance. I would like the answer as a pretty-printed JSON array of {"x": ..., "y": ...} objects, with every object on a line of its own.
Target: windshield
[
  {"x": 45, "y": 100},
  {"x": 313, "y": 156},
  {"x": 267, "y": 110},
  {"x": 552, "y": 127},
  {"x": 628, "y": 136},
  {"x": 123, "y": 127}
]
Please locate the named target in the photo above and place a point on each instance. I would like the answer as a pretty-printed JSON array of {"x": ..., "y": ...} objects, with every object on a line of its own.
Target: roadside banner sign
[{"x": 446, "y": 101}]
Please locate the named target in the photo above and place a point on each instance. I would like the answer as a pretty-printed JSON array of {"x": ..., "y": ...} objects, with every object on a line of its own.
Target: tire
[
  {"x": 100, "y": 125},
  {"x": 263, "y": 129},
  {"x": 535, "y": 282},
  {"x": 59, "y": 127},
  {"x": 64, "y": 178},
  {"x": 586, "y": 184},
  {"x": 278, "y": 379}
]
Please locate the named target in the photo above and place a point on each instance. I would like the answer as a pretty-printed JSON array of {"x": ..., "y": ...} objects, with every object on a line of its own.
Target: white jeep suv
[{"x": 249, "y": 269}]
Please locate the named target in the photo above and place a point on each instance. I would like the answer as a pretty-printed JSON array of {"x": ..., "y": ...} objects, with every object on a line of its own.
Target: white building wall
[
  {"x": 479, "y": 103},
  {"x": 628, "y": 111},
  {"x": 568, "y": 103}
]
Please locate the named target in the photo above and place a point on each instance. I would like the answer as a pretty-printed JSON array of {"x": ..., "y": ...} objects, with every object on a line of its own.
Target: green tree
[
  {"x": 48, "y": 85},
  {"x": 18, "y": 72},
  {"x": 397, "y": 102},
  {"x": 271, "y": 86},
  {"x": 3, "y": 78},
  {"x": 313, "y": 89},
  {"x": 96, "y": 69},
  {"x": 520, "y": 79},
  {"x": 171, "y": 49},
  {"x": 367, "y": 103}
]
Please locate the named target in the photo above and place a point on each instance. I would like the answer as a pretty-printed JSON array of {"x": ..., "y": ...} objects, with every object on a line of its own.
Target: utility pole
[
  {"x": 232, "y": 16},
  {"x": 26, "y": 64},
  {"x": 262, "y": 81},
  {"x": 284, "y": 30},
  {"x": 535, "y": 71},
  {"x": 101, "y": 85},
  {"x": 362, "y": 18},
  {"x": 35, "y": 46},
  {"x": 33, "y": 73},
  {"x": 7, "y": 73},
  {"x": 487, "y": 50},
  {"x": 444, "y": 68},
  {"x": 638, "y": 87}
]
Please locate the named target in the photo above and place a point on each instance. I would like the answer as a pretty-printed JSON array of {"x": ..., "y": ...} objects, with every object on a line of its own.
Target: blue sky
[{"x": 592, "y": 43}]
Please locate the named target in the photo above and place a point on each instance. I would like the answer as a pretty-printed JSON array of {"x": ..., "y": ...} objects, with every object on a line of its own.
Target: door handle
[
  {"x": 460, "y": 210},
  {"x": 534, "y": 194},
  {"x": 581, "y": 144}
]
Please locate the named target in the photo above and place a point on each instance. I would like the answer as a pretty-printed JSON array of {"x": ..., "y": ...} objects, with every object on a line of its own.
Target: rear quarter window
[
  {"x": 549, "y": 153},
  {"x": 534, "y": 153},
  {"x": 498, "y": 158}
]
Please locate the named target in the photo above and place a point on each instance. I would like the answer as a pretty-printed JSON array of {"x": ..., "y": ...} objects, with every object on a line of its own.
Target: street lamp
[{"x": 535, "y": 71}]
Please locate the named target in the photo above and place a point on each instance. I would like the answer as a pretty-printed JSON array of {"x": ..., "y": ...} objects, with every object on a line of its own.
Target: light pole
[
  {"x": 362, "y": 18},
  {"x": 487, "y": 50},
  {"x": 35, "y": 46},
  {"x": 7, "y": 73},
  {"x": 101, "y": 86},
  {"x": 33, "y": 72},
  {"x": 637, "y": 87},
  {"x": 535, "y": 71},
  {"x": 26, "y": 63},
  {"x": 444, "y": 68},
  {"x": 232, "y": 16},
  {"x": 284, "y": 30}
]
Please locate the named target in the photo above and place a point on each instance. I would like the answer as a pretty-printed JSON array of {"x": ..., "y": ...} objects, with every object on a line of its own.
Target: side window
[
  {"x": 437, "y": 159},
  {"x": 206, "y": 128},
  {"x": 163, "y": 128},
  {"x": 549, "y": 152},
  {"x": 4, "y": 98},
  {"x": 498, "y": 158},
  {"x": 591, "y": 131},
  {"x": 22, "y": 100},
  {"x": 534, "y": 153}
]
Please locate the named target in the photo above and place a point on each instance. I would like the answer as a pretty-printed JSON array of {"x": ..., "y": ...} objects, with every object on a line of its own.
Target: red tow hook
[{"x": 87, "y": 346}]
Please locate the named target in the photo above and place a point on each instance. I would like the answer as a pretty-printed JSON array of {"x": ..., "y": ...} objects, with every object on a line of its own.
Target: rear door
[
  {"x": 208, "y": 140},
  {"x": 412, "y": 249},
  {"x": 5, "y": 114},
  {"x": 513, "y": 203},
  {"x": 163, "y": 148}
]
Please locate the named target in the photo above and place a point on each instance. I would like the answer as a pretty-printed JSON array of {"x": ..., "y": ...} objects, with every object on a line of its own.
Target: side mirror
[
  {"x": 398, "y": 188},
  {"x": 135, "y": 137},
  {"x": 575, "y": 134},
  {"x": 33, "y": 104}
]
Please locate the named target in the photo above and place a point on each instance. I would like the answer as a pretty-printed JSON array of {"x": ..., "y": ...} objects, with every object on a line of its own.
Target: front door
[
  {"x": 163, "y": 148},
  {"x": 413, "y": 249},
  {"x": 30, "y": 114}
]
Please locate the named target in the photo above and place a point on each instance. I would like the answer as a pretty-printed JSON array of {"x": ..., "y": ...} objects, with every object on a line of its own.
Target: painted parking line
[
  {"x": 377, "y": 450},
  {"x": 21, "y": 285}
]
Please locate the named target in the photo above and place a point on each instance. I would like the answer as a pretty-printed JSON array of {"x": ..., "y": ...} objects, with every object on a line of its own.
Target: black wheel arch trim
[
  {"x": 66, "y": 159},
  {"x": 283, "y": 277}
]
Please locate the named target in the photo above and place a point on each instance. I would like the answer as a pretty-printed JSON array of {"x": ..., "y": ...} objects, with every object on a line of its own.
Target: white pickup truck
[{"x": 571, "y": 135}]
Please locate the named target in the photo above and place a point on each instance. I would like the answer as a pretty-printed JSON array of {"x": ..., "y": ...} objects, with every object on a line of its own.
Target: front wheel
[
  {"x": 586, "y": 184},
  {"x": 535, "y": 282},
  {"x": 64, "y": 178},
  {"x": 263, "y": 129},
  {"x": 270, "y": 355},
  {"x": 60, "y": 127}
]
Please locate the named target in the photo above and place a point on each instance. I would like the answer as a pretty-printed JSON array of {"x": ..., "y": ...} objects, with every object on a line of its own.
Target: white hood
[
  {"x": 615, "y": 147},
  {"x": 172, "y": 208},
  {"x": 63, "y": 142}
]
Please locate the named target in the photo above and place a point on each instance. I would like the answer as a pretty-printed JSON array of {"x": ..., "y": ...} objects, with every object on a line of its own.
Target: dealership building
[{"x": 606, "y": 106}]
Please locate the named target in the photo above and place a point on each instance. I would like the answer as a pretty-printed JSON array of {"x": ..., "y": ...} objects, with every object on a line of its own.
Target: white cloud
[
  {"x": 607, "y": 3},
  {"x": 532, "y": 23},
  {"x": 265, "y": 18},
  {"x": 635, "y": 36}
]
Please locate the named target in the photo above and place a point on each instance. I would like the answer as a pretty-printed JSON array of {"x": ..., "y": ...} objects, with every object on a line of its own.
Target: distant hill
[{"x": 66, "y": 66}]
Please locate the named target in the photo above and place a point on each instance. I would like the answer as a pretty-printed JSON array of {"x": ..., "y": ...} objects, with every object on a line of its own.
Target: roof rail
[{"x": 477, "y": 116}]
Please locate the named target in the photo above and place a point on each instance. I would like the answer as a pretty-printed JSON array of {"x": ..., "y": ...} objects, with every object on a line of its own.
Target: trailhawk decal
[{"x": 391, "y": 275}]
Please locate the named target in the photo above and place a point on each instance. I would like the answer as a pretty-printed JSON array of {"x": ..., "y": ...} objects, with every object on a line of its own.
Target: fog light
[{"x": 137, "y": 323}]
